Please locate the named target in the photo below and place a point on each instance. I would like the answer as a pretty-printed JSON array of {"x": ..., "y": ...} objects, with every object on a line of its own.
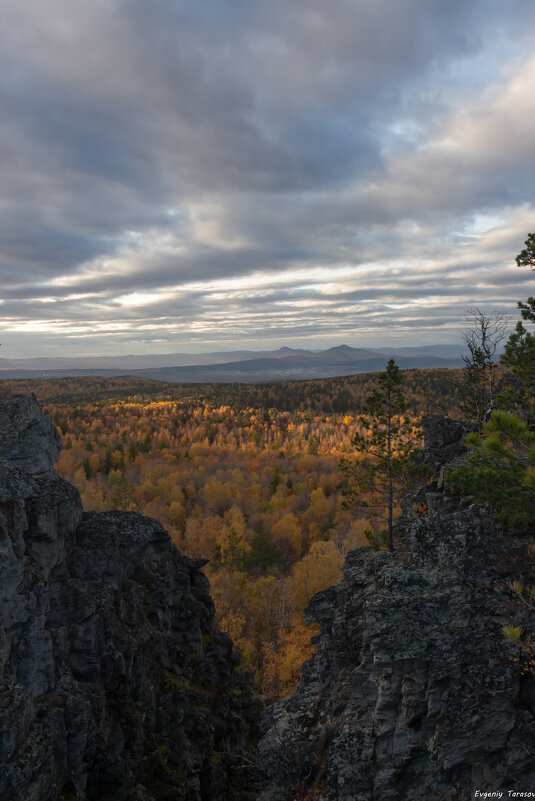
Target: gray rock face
[
  {"x": 114, "y": 682},
  {"x": 442, "y": 436},
  {"x": 414, "y": 692},
  {"x": 27, "y": 437}
]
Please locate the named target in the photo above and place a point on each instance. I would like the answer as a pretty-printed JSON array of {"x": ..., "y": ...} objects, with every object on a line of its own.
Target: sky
[{"x": 199, "y": 176}]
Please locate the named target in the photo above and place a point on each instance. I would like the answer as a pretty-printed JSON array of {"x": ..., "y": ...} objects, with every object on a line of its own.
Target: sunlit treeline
[{"x": 424, "y": 389}]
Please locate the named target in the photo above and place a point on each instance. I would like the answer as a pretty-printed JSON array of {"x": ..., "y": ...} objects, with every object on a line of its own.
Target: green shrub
[{"x": 499, "y": 470}]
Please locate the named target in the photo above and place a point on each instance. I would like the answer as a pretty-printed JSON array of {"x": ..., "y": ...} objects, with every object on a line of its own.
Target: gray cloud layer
[{"x": 189, "y": 175}]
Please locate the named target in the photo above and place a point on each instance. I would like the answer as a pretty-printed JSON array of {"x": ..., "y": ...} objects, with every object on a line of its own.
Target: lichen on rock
[{"x": 414, "y": 692}]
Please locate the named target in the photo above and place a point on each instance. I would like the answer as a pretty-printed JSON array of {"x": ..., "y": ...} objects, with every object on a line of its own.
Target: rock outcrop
[
  {"x": 414, "y": 691},
  {"x": 115, "y": 683}
]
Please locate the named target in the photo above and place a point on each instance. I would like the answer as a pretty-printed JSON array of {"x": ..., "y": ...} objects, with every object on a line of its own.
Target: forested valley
[{"x": 247, "y": 476}]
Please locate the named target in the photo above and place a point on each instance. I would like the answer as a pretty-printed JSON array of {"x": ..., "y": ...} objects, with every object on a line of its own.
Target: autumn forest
[{"x": 245, "y": 476}]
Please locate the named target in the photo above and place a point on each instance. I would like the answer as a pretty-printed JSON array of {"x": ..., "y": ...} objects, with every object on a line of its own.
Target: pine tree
[
  {"x": 232, "y": 552},
  {"x": 519, "y": 357},
  {"x": 526, "y": 257},
  {"x": 500, "y": 470},
  {"x": 519, "y": 353},
  {"x": 389, "y": 446},
  {"x": 123, "y": 496}
]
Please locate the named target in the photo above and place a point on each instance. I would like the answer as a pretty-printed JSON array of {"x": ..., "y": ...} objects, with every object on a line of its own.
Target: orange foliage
[{"x": 255, "y": 490}]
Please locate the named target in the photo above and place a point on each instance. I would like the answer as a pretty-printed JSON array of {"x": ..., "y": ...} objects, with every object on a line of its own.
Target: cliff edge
[
  {"x": 115, "y": 684},
  {"x": 415, "y": 693}
]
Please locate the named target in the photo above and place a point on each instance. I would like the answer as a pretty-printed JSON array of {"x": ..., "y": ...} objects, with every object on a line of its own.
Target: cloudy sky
[{"x": 185, "y": 175}]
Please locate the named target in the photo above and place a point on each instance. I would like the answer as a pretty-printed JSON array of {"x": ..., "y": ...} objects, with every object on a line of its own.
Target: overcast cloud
[{"x": 239, "y": 173}]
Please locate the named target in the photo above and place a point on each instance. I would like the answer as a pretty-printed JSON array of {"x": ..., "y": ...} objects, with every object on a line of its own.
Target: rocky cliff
[
  {"x": 414, "y": 691},
  {"x": 115, "y": 683}
]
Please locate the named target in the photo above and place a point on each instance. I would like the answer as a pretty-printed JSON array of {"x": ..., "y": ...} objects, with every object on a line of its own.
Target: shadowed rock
[
  {"x": 28, "y": 439},
  {"x": 115, "y": 683}
]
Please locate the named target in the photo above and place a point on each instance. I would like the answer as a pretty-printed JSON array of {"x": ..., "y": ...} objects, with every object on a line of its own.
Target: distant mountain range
[{"x": 237, "y": 366}]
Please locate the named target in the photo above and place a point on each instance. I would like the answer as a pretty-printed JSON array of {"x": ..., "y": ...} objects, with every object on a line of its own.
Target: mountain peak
[{"x": 343, "y": 349}]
